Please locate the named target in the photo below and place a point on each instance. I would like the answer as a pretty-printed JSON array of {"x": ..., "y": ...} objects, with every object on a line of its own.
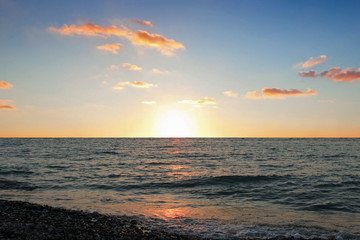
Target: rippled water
[{"x": 214, "y": 187}]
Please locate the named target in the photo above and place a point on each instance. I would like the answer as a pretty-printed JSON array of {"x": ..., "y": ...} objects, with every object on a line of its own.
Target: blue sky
[{"x": 62, "y": 85}]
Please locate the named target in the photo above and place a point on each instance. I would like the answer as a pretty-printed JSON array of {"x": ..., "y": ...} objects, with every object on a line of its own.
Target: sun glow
[{"x": 175, "y": 123}]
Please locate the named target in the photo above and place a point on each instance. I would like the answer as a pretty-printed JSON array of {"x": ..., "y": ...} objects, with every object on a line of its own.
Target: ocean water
[{"x": 221, "y": 187}]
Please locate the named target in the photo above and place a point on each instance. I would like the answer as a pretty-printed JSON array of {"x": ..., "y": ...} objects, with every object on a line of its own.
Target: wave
[
  {"x": 15, "y": 172},
  {"x": 15, "y": 185}
]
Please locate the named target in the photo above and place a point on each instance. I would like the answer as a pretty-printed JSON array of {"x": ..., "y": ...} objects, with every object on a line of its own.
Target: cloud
[
  {"x": 278, "y": 93},
  {"x": 112, "y": 47},
  {"x": 90, "y": 29},
  {"x": 313, "y": 61},
  {"x": 162, "y": 44},
  {"x": 4, "y": 84},
  {"x": 201, "y": 101},
  {"x": 335, "y": 74},
  {"x": 155, "y": 70},
  {"x": 143, "y": 22},
  {"x": 134, "y": 84},
  {"x": 139, "y": 38},
  {"x": 148, "y": 102},
  {"x": 310, "y": 73},
  {"x": 4, "y": 104},
  {"x": 230, "y": 94},
  {"x": 131, "y": 67},
  {"x": 253, "y": 95},
  {"x": 7, "y": 107}
]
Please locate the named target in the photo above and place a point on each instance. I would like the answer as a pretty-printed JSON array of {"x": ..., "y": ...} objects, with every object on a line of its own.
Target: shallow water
[{"x": 213, "y": 187}]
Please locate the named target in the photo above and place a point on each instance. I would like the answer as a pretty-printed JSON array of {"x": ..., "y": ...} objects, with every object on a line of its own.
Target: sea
[{"x": 223, "y": 188}]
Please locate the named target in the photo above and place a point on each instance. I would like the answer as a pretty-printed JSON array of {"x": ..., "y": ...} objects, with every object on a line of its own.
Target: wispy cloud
[
  {"x": 131, "y": 67},
  {"x": 155, "y": 70},
  {"x": 230, "y": 93},
  {"x": 140, "y": 38},
  {"x": 278, "y": 93},
  {"x": 4, "y": 84},
  {"x": 253, "y": 95},
  {"x": 142, "y": 22},
  {"x": 148, "y": 102},
  {"x": 111, "y": 47},
  {"x": 313, "y": 61},
  {"x": 335, "y": 74},
  {"x": 4, "y": 104},
  {"x": 91, "y": 29},
  {"x": 134, "y": 84},
  {"x": 201, "y": 101}
]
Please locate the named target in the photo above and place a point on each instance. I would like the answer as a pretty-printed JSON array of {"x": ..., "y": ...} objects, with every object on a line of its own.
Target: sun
[{"x": 174, "y": 123}]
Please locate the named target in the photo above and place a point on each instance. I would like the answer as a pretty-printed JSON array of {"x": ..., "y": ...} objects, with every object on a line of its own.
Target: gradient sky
[{"x": 179, "y": 68}]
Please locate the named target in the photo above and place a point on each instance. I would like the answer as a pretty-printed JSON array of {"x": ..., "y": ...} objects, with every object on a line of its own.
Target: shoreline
[{"x": 24, "y": 220}]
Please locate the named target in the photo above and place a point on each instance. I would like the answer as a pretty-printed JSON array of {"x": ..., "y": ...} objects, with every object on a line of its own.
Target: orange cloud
[
  {"x": 131, "y": 67},
  {"x": 112, "y": 47},
  {"x": 204, "y": 100},
  {"x": 338, "y": 75},
  {"x": 314, "y": 61},
  {"x": 90, "y": 29},
  {"x": 278, "y": 93},
  {"x": 155, "y": 70},
  {"x": 4, "y": 84},
  {"x": 230, "y": 94},
  {"x": 4, "y": 105},
  {"x": 253, "y": 95},
  {"x": 164, "y": 45},
  {"x": 143, "y": 22},
  {"x": 139, "y": 38},
  {"x": 335, "y": 74},
  {"x": 135, "y": 84},
  {"x": 7, "y": 107},
  {"x": 148, "y": 102}
]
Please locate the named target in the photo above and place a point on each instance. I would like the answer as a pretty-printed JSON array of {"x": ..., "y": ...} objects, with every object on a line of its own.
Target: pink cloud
[
  {"x": 278, "y": 93},
  {"x": 143, "y": 22},
  {"x": 134, "y": 84},
  {"x": 7, "y": 107},
  {"x": 112, "y": 47},
  {"x": 314, "y": 61},
  {"x": 4, "y": 84},
  {"x": 335, "y": 74}
]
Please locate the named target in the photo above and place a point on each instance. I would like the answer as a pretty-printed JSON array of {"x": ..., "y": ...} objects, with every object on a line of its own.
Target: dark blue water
[{"x": 211, "y": 187}]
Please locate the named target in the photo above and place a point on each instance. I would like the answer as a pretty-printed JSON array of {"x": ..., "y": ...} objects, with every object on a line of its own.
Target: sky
[{"x": 200, "y": 68}]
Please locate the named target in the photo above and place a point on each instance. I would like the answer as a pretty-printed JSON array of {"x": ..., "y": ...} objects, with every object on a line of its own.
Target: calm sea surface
[{"x": 211, "y": 187}]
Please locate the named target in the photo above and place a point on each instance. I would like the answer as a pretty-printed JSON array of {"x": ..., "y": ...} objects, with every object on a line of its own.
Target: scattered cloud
[
  {"x": 143, "y": 22},
  {"x": 113, "y": 67},
  {"x": 278, "y": 93},
  {"x": 313, "y": 61},
  {"x": 162, "y": 44},
  {"x": 131, "y": 67},
  {"x": 230, "y": 93},
  {"x": 7, "y": 107},
  {"x": 4, "y": 104},
  {"x": 134, "y": 84},
  {"x": 310, "y": 73},
  {"x": 4, "y": 84},
  {"x": 90, "y": 29},
  {"x": 140, "y": 38},
  {"x": 201, "y": 101},
  {"x": 112, "y": 47},
  {"x": 148, "y": 102},
  {"x": 253, "y": 95},
  {"x": 335, "y": 74},
  {"x": 155, "y": 70}
]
